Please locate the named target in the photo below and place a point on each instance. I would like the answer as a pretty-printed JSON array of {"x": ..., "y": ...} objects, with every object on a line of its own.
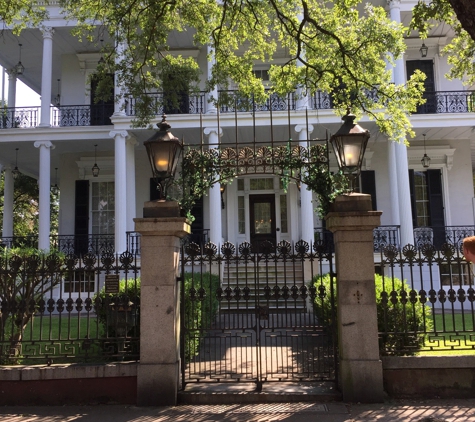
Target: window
[
  {"x": 80, "y": 282},
  {"x": 262, "y": 184},
  {"x": 428, "y": 201},
  {"x": 241, "y": 215},
  {"x": 240, "y": 184},
  {"x": 103, "y": 208},
  {"x": 261, "y": 74},
  {"x": 283, "y": 213},
  {"x": 421, "y": 199},
  {"x": 454, "y": 274}
]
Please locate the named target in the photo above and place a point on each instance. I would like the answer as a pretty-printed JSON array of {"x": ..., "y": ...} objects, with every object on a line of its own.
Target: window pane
[
  {"x": 240, "y": 184},
  {"x": 262, "y": 218},
  {"x": 241, "y": 216},
  {"x": 283, "y": 213},
  {"x": 103, "y": 212}
]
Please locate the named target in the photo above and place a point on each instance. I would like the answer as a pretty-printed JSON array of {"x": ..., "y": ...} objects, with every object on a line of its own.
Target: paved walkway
[{"x": 394, "y": 411}]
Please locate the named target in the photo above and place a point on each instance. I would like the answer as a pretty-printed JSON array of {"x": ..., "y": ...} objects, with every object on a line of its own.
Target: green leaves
[
  {"x": 202, "y": 169},
  {"x": 335, "y": 46}
]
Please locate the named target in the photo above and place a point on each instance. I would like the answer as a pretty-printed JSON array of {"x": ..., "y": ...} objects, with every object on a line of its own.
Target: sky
[{"x": 25, "y": 97}]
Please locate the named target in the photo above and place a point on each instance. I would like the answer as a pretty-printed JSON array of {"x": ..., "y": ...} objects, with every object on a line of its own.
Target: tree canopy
[
  {"x": 341, "y": 47},
  {"x": 460, "y": 15}
]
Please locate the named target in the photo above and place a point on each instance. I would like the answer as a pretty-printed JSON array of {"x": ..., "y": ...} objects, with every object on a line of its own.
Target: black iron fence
[
  {"x": 256, "y": 314},
  {"x": 425, "y": 296},
  {"x": 61, "y": 307}
]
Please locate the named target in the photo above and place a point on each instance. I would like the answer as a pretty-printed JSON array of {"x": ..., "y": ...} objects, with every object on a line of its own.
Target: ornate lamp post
[
  {"x": 349, "y": 144},
  {"x": 163, "y": 150}
]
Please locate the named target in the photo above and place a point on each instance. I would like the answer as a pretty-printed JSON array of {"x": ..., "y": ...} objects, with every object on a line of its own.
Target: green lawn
[
  {"x": 448, "y": 342},
  {"x": 59, "y": 327},
  {"x": 62, "y": 339}
]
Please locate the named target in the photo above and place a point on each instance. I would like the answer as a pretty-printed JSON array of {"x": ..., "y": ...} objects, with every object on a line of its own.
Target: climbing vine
[{"x": 202, "y": 168}]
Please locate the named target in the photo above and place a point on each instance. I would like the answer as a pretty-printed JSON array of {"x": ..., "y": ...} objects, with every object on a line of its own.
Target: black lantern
[
  {"x": 425, "y": 161},
  {"x": 349, "y": 144},
  {"x": 55, "y": 188},
  {"x": 163, "y": 150},
  {"x": 95, "y": 168},
  {"x": 424, "y": 49},
  {"x": 19, "y": 68},
  {"x": 16, "y": 171}
]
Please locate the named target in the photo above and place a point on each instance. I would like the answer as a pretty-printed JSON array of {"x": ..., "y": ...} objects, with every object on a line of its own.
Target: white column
[
  {"x": 214, "y": 196},
  {"x": 402, "y": 167},
  {"x": 306, "y": 205},
  {"x": 7, "y": 229},
  {"x": 46, "y": 76},
  {"x": 393, "y": 189},
  {"x": 404, "y": 195},
  {"x": 119, "y": 108},
  {"x": 44, "y": 212},
  {"x": 120, "y": 171},
  {"x": 11, "y": 88},
  {"x": 210, "y": 106},
  {"x": 131, "y": 142}
]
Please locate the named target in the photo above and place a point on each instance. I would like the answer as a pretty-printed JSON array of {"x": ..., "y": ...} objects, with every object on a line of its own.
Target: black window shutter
[
  {"x": 426, "y": 66},
  {"x": 154, "y": 192},
  {"x": 81, "y": 216},
  {"x": 436, "y": 205},
  {"x": 197, "y": 226},
  {"x": 413, "y": 197},
  {"x": 368, "y": 185}
]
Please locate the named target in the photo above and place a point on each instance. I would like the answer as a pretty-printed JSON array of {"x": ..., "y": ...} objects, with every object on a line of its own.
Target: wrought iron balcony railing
[
  {"x": 443, "y": 102},
  {"x": 187, "y": 104},
  {"x": 448, "y": 102},
  {"x": 19, "y": 117}
]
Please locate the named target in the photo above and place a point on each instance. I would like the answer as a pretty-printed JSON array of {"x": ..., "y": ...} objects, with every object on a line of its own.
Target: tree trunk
[{"x": 465, "y": 11}]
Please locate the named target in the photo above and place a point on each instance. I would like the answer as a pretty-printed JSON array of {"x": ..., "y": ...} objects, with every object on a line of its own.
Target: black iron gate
[{"x": 258, "y": 317}]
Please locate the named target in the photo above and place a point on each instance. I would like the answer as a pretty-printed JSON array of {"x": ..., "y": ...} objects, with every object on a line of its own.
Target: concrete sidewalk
[{"x": 392, "y": 411}]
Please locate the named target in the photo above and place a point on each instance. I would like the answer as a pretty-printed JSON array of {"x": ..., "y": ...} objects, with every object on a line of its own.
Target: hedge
[{"x": 401, "y": 324}]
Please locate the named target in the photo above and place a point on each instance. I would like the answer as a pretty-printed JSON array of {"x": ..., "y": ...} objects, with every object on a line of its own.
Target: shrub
[
  {"x": 401, "y": 324},
  {"x": 199, "y": 311},
  {"x": 108, "y": 306},
  {"x": 27, "y": 275},
  {"x": 201, "y": 307}
]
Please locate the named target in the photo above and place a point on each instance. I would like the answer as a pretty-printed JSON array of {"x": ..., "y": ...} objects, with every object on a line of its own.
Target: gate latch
[{"x": 262, "y": 312}]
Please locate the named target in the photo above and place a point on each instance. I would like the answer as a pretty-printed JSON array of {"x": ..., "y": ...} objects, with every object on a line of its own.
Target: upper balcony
[{"x": 440, "y": 102}]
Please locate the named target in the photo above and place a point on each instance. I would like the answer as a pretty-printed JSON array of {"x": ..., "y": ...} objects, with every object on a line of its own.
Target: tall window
[
  {"x": 241, "y": 215},
  {"x": 421, "y": 199},
  {"x": 283, "y": 213},
  {"x": 103, "y": 208}
]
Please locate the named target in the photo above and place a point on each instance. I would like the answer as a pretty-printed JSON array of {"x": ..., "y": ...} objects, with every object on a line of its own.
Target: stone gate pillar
[
  {"x": 159, "y": 370},
  {"x": 361, "y": 373}
]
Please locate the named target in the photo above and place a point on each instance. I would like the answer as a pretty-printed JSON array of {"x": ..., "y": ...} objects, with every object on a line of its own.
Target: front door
[{"x": 262, "y": 217}]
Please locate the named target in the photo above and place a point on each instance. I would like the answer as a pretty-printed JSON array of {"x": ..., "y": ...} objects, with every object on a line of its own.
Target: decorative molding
[
  {"x": 47, "y": 32},
  {"x": 88, "y": 61},
  {"x": 123, "y": 133},
  {"x": 209, "y": 130},
  {"x": 106, "y": 164},
  {"x": 299, "y": 128},
  {"x": 46, "y": 144},
  {"x": 439, "y": 155},
  {"x": 131, "y": 140}
]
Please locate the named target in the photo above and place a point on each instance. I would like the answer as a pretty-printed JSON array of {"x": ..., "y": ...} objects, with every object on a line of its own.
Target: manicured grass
[
  {"x": 447, "y": 342},
  {"x": 61, "y": 327}
]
